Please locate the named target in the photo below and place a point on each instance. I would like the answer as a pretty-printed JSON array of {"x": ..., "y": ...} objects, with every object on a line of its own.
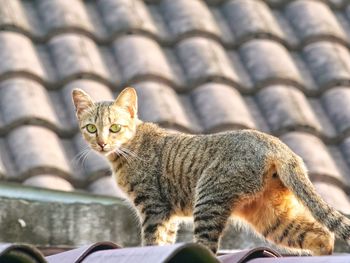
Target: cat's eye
[
  {"x": 115, "y": 128},
  {"x": 91, "y": 128}
]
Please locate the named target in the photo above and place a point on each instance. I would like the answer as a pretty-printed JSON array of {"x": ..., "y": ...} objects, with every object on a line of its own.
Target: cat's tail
[{"x": 293, "y": 174}]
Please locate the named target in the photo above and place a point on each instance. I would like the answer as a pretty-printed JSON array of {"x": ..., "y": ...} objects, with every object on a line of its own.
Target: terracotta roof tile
[
  {"x": 3, "y": 159},
  {"x": 59, "y": 15},
  {"x": 337, "y": 104},
  {"x": 338, "y": 3},
  {"x": 183, "y": 252},
  {"x": 345, "y": 148},
  {"x": 24, "y": 101},
  {"x": 77, "y": 55},
  {"x": 188, "y": 17},
  {"x": 122, "y": 16},
  {"x": 7, "y": 170},
  {"x": 161, "y": 104},
  {"x": 106, "y": 186},
  {"x": 49, "y": 181},
  {"x": 15, "y": 14},
  {"x": 205, "y": 60},
  {"x": 247, "y": 19},
  {"x": 18, "y": 54},
  {"x": 268, "y": 61},
  {"x": 287, "y": 108},
  {"x": 135, "y": 63},
  {"x": 313, "y": 20},
  {"x": 36, "y": 150},
  {"x": 329, "y": 63},
  {"x": 215, "y": 103},
  {"x": 320, "y": 164},
  {"x": 338, "y": 199}
]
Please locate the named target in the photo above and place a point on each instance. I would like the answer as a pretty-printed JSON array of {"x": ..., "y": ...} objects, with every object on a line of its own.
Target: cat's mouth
[
  {"x": 102, "y": 150},
  {"x": 107, "y": 149}
]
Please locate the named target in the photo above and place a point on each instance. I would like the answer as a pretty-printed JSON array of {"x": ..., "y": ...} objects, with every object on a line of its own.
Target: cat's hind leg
[{"x": 278, "y": 216}]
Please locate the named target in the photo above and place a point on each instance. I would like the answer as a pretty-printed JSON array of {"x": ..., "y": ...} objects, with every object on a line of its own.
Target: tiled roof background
[{"x": 282, "y": 67}]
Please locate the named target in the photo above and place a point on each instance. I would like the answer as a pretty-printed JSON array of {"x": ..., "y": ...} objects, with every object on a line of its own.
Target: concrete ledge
[
  {"x": 61, "y": 224},
  {"x": 47, "y": 218}
]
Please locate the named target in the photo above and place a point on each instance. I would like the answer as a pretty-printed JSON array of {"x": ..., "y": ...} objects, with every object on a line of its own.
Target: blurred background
[{"x": 279, "y": 66}]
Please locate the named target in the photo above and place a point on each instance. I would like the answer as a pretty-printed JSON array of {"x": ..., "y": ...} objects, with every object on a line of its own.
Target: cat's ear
[
  {"x": 128, "y": 99},
  {"x": 81, "y": 100}
]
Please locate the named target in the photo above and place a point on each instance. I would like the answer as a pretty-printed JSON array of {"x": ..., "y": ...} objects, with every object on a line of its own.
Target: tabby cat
[{"x": 245, "y": 173}]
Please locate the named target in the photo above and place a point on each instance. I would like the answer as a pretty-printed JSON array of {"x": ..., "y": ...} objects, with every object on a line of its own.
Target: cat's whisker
[
  {"x": 131, "y": 153},
  {"x": 78, "y": 158},
  {"x": 121, "y": 153},
  {"x": 85, "y": 157},
  {"x": 78, "y": 155},
  {"x": 126, "y": 155},
  {"x": 117, "y": 152}
]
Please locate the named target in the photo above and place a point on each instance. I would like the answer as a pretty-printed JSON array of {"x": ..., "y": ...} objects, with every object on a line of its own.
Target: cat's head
[{"x": 106, "y": 125}]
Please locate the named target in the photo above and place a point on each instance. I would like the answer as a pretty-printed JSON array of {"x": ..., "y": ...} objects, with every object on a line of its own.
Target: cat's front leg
[
  {"x": 172, "y": 228},
  {"x": 214, "y": 202},
  {"x": 157, "y": 226}
]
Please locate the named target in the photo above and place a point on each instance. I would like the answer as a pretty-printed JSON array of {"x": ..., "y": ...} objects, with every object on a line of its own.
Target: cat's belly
[
  {"x": 183, "y": 212},
  {"x": 185, "y": 219}
]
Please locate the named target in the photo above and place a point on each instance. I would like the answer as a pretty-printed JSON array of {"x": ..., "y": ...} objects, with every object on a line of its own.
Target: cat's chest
[
  {"x": 121, "y": 178},
  {"x": 126, "y": 180}
]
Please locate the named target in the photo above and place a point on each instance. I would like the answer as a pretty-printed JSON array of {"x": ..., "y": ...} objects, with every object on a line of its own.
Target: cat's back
[
  {"x": 229, "y": 144},
  {"x": 245, "y": 139},
  {"x": 249, "y": 149},
  {"x": 240, "y": 149}
]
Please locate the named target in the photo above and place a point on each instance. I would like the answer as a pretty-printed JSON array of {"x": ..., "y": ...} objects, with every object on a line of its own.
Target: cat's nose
[{"x": 102, "y": 144}]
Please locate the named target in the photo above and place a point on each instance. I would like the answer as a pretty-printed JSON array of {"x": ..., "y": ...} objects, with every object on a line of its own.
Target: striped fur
[{"x": 245, "y": 174}]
